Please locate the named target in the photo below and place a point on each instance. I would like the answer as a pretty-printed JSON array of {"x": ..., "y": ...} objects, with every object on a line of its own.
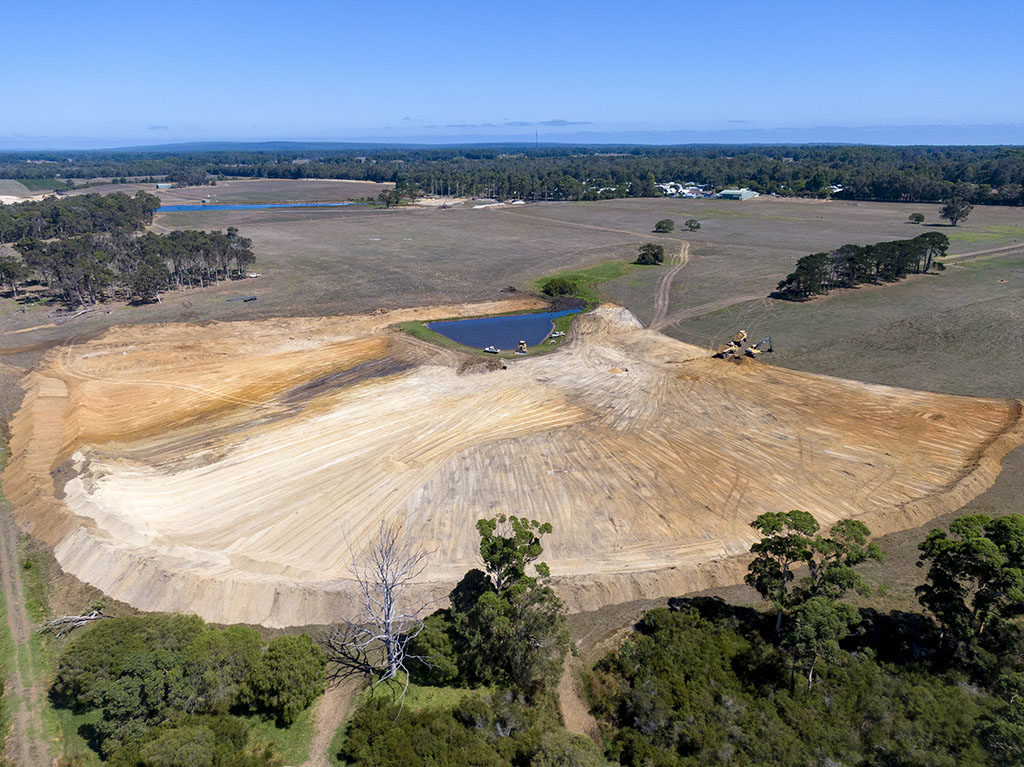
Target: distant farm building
[
  {"x": 737, "y": 194},
  {"x": 688, "y": 189},
  {"x": 168, "y": 185}
]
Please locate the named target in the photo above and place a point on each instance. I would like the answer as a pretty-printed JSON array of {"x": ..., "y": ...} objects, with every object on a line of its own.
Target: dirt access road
[{"x": 23, "y": 694}]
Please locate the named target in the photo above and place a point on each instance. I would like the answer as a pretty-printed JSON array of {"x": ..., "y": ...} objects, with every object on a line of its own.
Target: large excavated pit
[{"x": 235, "y": 470}]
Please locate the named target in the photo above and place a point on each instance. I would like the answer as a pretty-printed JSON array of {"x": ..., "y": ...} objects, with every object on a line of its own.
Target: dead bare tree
[
  {"x": 375, "y": 643},
  {"x": 68, "y": 623}
]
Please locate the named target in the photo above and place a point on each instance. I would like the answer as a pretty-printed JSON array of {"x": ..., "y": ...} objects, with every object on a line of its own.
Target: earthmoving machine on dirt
[
  {"x": 737, "y": 347},
  {"x": 762, "y": 346},
  {"x": 734, "y": 347}
]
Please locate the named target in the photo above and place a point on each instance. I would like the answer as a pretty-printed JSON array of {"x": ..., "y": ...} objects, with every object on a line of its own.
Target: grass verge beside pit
[{"x": 586, "y": 281}]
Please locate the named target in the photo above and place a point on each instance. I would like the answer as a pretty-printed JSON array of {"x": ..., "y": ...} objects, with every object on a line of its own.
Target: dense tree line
[
  {"x": 162, "y": 681},
  {"x": 852, "y": 265},
  {"x": 705, "y": 683},
  {"x": 980, "y": 175},
  {"x": 78, "y": 214},
  {"x": 84, "y": 269}
]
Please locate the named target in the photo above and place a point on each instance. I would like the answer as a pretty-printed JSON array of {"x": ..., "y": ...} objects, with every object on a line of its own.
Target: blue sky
[{"x": 93, "y": 73}]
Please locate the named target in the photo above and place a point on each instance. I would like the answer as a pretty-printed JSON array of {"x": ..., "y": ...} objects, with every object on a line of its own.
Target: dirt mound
[{"x": 234, "y": 469}]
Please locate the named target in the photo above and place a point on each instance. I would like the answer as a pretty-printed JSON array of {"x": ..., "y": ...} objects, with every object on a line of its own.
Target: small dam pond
[
  {"x": 253, "y": 206},
  {"x": 503, "y": 332}
]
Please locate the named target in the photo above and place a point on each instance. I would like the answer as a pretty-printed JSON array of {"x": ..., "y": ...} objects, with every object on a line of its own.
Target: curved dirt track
[
  {"x": 663, "y": 295},
  {"x": 234, "y": 469}
]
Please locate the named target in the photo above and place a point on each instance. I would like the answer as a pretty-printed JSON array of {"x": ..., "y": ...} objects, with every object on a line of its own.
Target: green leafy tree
[
  {"x": 217, "y": 665},
  {"x": 818, "y": 625},
  {"x": 955, "y": 210},
  {"x": 505, "y": 626},
  {"x": 1002, "y": 732},
  {"x": 149, "y": 277},
  {"x": 935, "y": 246},
  {"x": 390, "y": 197},
  {"x": 559, "y": 286},
  {"x": 790, "y": 540},
  {"x": 650, "y": 254},
  {"x": 508, "y": 546},
  {"x": 831, "y": 565},
  {"x": 12, "y": 271},
  {"x": 975, "y": 574},
  {"x": 786, "y": 541},
  {"x": 692, "y": 224},
  {"x": 916, "y": 218},
  {"x": 664, "y": 226},
  {"x": 517, "y": 620},
  {"x": 288, "y": 678}
]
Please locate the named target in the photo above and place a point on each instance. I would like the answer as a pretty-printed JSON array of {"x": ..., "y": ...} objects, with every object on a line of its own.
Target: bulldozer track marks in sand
[{"x": 209, "y": 469}]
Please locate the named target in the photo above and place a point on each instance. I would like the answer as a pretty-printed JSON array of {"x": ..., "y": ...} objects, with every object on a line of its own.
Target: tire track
[
  {"x": 23, "y": 744},
  {"x": 696, "y": 311},
  {"x": 663, "y": 294},
  {"x": 331, "y": 710}
]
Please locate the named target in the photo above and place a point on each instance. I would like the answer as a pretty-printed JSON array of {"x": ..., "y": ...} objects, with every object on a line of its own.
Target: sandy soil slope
[{"x": 235, "y": 469}]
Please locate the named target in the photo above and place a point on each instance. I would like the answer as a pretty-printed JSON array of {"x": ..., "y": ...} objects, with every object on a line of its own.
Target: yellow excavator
[
  {"x": 762, "y": 346},
  {"x": 737, "y": 347}
]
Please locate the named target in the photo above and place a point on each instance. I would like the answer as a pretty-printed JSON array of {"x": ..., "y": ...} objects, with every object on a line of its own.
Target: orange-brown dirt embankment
[{"x": 235, "y": 469}]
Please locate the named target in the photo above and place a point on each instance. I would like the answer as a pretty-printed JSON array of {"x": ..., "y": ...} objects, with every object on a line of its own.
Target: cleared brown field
[
  {"x": 251, "y": 190},
  {"x": 236, "y": 469}
]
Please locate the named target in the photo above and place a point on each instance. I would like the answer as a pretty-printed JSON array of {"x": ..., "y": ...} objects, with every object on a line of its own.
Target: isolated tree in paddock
[
  {"x": 665, "y": 226},
  {"x": 692, "y": 224},
  {"x": 390, "y": 197},
  {"x": 650, "y": 254},
  {"x": 955, "y": 210},
  {"x": 376, "y": 642},
  {"x": 975, "y": 574},
  {"x": 916, "y": 218},
  {"x": 559, "y": 286}
]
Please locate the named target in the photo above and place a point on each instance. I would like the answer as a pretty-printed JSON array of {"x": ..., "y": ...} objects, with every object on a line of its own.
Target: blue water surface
[
  {"x": 242, "y": 206},
  {"x": 503, "y": 332}
]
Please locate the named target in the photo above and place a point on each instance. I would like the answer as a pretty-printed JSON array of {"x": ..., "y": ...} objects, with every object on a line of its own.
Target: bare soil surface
[
  {"x": 194, "y": 468},
  {"x": 333, "y": 707}
]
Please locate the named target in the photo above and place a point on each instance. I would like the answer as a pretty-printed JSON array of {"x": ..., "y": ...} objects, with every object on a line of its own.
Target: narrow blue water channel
[
  {"x": 501, "y": 332},
  {"x": 254, "y": 206}
]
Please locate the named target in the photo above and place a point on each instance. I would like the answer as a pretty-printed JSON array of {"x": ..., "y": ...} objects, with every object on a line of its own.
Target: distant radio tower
[{"x": 536, "y": 139}]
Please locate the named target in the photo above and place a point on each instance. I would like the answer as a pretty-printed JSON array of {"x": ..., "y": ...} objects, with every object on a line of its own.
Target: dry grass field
[
  {"x": 249, "y": 191},
  {"x": 955, "y": 333}
]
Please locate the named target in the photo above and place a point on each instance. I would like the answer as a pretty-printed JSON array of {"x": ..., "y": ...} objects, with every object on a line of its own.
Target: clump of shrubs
[{"x": 158, "y": 680}]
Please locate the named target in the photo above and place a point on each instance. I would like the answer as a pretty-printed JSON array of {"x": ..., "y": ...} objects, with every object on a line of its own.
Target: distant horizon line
[
  {"x": 227, "y": 145},
  {"x": 987, "y": 134}
]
